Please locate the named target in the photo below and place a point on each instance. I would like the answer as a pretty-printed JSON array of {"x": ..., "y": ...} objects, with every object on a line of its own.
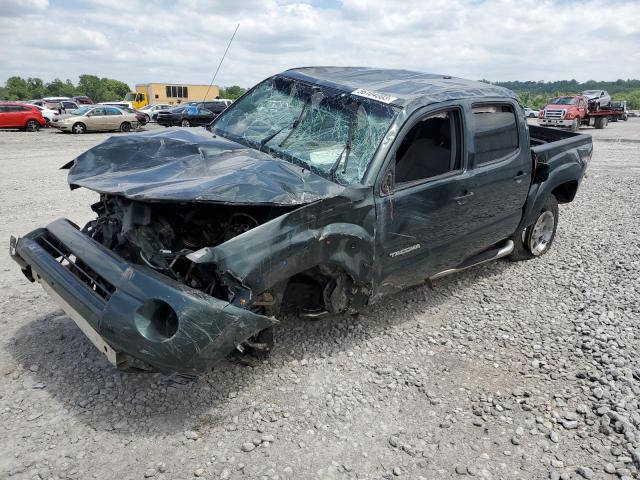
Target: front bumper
[
  {"x": 548, "y": 122},
  {"x": 112, "y": 301}
]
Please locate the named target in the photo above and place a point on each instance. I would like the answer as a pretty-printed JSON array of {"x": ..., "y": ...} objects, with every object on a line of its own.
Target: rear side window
[
  {"x": 113, "y": 111},
  {"x": 495, "y": 132}
]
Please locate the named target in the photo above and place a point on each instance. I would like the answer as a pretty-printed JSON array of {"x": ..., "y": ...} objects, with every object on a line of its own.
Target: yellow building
[{"x": 171, "y": 93}]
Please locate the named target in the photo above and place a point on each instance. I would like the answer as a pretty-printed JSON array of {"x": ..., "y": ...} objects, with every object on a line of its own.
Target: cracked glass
[{"x": 328, "y": 131}]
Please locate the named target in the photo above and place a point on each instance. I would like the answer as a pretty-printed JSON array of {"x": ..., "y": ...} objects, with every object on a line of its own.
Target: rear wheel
[
  {"x": 537, "y": 238},
  {"x": 125, "y": 127},
  {"x": 78, "y": 128},
  {"x": 32, "y": 126},
  {"x": 601, "y": 122},
  {"x": 185, "y": 123}
]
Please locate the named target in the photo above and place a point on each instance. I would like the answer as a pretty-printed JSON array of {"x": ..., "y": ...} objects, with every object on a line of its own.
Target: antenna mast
[{"x": 221, "y": 60}]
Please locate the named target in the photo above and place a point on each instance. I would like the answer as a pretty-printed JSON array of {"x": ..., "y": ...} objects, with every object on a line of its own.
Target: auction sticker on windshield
[{"x": 380, "y": 97}]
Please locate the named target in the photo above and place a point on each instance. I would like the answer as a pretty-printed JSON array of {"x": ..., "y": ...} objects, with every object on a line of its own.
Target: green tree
[
  {"x": 232, "y": 92},
  {"x": 89, "y": 85},
  {"x": 35, "y": 87},
  {"x": 17, "y": 88}
]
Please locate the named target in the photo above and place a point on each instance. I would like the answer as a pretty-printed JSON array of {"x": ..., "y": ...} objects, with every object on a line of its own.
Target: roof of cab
[{"x": 404, "y": 86}]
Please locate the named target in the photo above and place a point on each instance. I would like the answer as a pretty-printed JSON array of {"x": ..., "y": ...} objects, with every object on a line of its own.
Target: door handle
[
  {"x": 520, "y": 176},
  {"x": 461, "y": 199}
]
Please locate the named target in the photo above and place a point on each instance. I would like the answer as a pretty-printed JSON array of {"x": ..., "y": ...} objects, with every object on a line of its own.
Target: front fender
[{"x": 292, "y": 243}]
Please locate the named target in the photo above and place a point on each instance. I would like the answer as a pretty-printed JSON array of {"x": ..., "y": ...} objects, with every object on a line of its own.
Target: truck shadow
[{"x": 52, "y": 353}]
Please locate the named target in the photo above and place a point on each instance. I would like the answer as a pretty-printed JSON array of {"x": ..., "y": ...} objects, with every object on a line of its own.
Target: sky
[{"x": 182, "y": 41}]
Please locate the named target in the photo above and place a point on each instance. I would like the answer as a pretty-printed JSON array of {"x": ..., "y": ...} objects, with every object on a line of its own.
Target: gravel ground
[{"x": 507, "y": 371}]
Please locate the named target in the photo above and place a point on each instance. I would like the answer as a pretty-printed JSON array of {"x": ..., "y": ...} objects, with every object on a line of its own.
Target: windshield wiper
[
  {"x": 345, "y": 151},
  {"x": 295, "y": 124}
]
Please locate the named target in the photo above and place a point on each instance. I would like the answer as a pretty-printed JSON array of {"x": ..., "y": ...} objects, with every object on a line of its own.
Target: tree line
[
  {"x": 98, "y": 89},
  {"x": 537, "y": 94}
]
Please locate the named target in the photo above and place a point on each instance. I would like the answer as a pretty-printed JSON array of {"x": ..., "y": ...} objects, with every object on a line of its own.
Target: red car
[{"x": 21, "y": 116}]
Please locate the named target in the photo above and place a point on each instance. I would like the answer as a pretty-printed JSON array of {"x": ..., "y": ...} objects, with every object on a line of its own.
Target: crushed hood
[{"x": 191, "y": 165}]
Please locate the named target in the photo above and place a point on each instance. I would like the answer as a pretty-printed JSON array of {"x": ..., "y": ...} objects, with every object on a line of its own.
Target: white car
[
  {"x": 151, "y": 111},
  {"x": 531, "y": 112},
  {"x": 47, "y": 113}
]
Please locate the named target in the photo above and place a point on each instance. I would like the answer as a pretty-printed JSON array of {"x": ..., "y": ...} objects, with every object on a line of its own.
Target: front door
[{"x": 423, "y": 218}]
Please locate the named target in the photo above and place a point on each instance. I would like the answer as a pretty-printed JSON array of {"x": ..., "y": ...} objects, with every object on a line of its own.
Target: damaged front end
[{"x": 127, "y": 309}]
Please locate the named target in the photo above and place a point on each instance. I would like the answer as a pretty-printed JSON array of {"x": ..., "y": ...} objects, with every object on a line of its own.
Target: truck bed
[{"x": 547, "y": 143}]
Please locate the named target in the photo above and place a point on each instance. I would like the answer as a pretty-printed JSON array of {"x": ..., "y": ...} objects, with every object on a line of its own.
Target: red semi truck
[{"x": 571, "y": 111}]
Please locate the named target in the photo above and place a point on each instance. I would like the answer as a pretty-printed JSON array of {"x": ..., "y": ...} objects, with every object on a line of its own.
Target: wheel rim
[
  {"x": 185, "y": 123},
  {"x": 78, "y": 129},
  {"x": 31, "y": 125},
  {"x": 542, "y": 233}
]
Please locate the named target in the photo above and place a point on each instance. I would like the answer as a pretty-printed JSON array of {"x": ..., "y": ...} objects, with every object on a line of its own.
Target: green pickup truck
[{"x": 318, "y": 192}]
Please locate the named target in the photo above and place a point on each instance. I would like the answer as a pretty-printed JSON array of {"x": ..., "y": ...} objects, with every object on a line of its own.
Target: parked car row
[{"x": 67, "y": 116}]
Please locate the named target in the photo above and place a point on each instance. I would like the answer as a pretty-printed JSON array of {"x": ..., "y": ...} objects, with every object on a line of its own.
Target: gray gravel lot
[{"x": 507, "y": 371}]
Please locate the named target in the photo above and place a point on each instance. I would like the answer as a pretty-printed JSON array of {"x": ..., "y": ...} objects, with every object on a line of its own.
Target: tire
[
  {"x": 536, "y": 239},
  {"x": 32, "y": 126},
  {"x": 531, "y": 115},
  {"x": 125, "y": 127},
  {"x": 601, "y": 122},
  {"x": 185, "y": 123},
  {"x": 614, "y": 118},
  {"x": 147, "y": 119},
  {"x": 575, "y": 126},
  {"x": 78, "y": 128}
]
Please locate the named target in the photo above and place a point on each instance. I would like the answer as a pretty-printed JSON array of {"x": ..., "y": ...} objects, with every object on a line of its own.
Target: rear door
[
  {"x": 501, "y": 164},
  {"x": 113, "y": 118}
]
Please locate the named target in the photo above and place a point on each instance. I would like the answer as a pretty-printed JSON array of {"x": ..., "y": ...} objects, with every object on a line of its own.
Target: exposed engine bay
[{"x": 161, "y": 235}]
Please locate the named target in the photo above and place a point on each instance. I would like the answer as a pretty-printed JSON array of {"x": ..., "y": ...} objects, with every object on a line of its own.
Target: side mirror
[
  {"x": 542, "y": 172},
  {"x": 386, "y": 187}
]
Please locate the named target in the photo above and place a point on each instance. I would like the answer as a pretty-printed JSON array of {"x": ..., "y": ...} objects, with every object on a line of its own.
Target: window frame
[
  {"x": 406, "y": 128},
  {"x": 505, "y": 158}
]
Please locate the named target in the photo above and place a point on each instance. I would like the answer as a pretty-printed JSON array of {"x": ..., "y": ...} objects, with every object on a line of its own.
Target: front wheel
[
  {"x": 125, "y": 127},
  {"x": 537, "y": 238},
  {"x": 575, "y": 126},
  {"x": 79, "y": 128},
  {"x": 185, "y": 123}
]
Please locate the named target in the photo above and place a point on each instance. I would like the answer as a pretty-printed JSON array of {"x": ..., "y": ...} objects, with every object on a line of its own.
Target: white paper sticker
[{"x": 380, "y": 97}]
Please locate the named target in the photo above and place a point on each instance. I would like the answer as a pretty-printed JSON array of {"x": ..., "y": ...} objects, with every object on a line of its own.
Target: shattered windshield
[{"x": 328, "y": 131}]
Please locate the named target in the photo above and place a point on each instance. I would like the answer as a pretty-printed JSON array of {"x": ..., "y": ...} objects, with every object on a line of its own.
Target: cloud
[
  {"x": 140, "y": 41},
  {"x": 18, "y": 8}
]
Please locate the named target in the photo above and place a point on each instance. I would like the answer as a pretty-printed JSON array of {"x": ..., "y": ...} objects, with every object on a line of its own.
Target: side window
[
  {"x": 3, "y": 109},
  {"x": 113, "y": 111},
  {"x": 97, "y": 112},
  {"x": 495, "y": 132},
  {"x": 204, "y": 111},
  {"x": 431, "y": 148}
]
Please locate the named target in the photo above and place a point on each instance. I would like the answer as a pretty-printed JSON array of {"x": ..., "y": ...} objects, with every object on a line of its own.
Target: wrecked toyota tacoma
[{"x": 319, "y": 191}]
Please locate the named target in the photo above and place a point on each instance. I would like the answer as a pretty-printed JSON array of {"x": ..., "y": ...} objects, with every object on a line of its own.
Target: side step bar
[{"x": 484, "y": 257}]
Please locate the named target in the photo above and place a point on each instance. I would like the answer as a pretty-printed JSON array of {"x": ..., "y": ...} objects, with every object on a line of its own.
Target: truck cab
[
  {"x": 566, "y": 111},
  {"x": 136, "y": 99}
]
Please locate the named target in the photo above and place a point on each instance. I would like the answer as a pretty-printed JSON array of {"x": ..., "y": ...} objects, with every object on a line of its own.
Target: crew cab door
[
  {"x": 501, "y": 166},
  {"x": 455, "y": 186},
  {"x": 423, "y": 201}
]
